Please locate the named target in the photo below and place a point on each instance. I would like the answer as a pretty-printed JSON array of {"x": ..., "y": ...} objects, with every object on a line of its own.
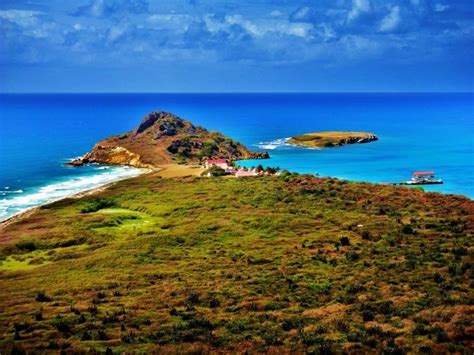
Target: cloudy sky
[{"x": 236, "y": 45}]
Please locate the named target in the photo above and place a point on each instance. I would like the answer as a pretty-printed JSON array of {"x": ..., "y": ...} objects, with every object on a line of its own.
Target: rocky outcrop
[
  {"x": 162, "y": 138},
  {"x": 110, "y": 155},
  {"x": 355, "y": 140}
]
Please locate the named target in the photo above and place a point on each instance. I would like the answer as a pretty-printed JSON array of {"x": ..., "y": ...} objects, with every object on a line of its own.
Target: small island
[{"x": 331, "y": 139}]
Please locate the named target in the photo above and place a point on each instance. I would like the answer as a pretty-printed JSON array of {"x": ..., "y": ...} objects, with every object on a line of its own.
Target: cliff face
[{"x": 163, "y": 138}]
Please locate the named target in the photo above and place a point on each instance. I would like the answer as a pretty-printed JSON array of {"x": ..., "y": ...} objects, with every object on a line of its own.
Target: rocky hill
[{"x": 163, "y": 138}]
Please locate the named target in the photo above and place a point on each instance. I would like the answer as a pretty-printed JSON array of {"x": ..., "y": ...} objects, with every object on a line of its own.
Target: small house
[
  {"x": 245, "y": 173},
  {"x": 221, "y": 163}
]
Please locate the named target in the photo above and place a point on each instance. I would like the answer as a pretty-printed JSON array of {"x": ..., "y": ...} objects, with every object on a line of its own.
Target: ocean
[{"x": 40, "y": 132}]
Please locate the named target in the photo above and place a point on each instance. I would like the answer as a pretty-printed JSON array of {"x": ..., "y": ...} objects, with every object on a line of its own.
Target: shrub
[
  {"x": 293, "y": 323},
  {"x": 63, "y": 325},
  {"x": 39, "y": 316},
  {"x": 407, "y": 229},
  {"x": 214, "y": 303},
  {"x": 368, "y": 315},
  {"x": 215, "y": 171},
  {"x": 98, "y": 204},
  {"x": 193, "y": 298},
  {"x": 274, "y": 306},
  {"x": 352, "y": 256},
  {"x": 26, "y": 245},
  {"x": 42, "y": 297},
  {"x": 365, "y": 235},
  {"x": 344, "y": 241},
  {"x": 272, "y": 337}
]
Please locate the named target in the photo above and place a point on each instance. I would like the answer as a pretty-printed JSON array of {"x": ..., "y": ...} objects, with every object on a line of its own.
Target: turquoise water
[{"x": 38, "y": 133}]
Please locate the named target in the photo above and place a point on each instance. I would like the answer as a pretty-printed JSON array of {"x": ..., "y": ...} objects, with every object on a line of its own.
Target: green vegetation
[
  {"x": 331, "y": 139},
  {"x": 281, "y": 264},
  {"x": 215, "y": 171}
]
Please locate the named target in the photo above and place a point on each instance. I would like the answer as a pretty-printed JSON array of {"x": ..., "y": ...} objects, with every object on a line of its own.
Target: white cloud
[
  {"x": 359, "y": 7},
  {"x": 440, "y": 7},
  {"x": 178, "y": 22},
  {"x": 116, "y": 32},
  {"x": 23, "y": 18},
  {"x": 29, "y": 21},
  {"x": 276, "y": 13},
  {"x": 391, "y": 21}
]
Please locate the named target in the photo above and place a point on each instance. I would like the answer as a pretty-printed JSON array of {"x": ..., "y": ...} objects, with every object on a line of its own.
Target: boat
[{"x": 422, "y": 178}]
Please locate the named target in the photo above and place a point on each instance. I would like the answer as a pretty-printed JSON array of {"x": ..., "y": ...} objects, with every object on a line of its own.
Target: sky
[{"x": 236, "y": 46}]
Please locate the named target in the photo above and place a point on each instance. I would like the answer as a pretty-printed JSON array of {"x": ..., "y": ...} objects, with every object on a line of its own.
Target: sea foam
[
  {"x": 275, "y": 144},
  {"x": 14, "y": 202}
]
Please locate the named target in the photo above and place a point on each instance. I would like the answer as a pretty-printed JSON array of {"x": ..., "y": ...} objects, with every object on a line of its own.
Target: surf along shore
[{"x": 165, "y": 171}]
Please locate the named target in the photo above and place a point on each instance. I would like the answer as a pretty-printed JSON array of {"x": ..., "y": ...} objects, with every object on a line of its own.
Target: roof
[
  {"x": 216, "y": 161},
  {"x": 423, "y": 173}
]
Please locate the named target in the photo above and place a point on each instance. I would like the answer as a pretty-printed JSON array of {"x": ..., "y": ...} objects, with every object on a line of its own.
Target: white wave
[
  {"x": 58, "y": 190},
  {"x": 11, "y": 192},
  {"x": 275, "y": 144}
]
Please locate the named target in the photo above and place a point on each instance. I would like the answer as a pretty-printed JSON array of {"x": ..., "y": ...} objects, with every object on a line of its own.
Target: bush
[
  {"x": 193, "y": 298},
  {"x": 26, "y": 245},
  {"x": 42, "y": 297},
  {"x": 367, "y": 315},
  {"x": 344, "y": 241},
  {"x": 215, "y": 171},
  {"x": 63, "y": 325},
  {"x": 407, "y": 229},
  {"x": 98, "y": 204},
  {"x": 366, "y": 235},
  {"x": 275, "y": 306},
  {"x": 352, "y": 256}
]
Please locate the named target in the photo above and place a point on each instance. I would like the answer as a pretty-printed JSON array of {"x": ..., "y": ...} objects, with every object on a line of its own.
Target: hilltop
[
  {"x": 163, "y": 138},
  {"x": 288, "y": 264},
  {"x": 332, "y": 139}
]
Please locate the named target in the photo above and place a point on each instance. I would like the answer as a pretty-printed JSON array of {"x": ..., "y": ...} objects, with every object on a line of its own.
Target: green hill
[{"x": 280, "y": 264}]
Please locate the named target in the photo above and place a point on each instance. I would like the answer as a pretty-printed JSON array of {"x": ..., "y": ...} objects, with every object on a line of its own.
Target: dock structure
[{"x": 422, "y": 178}]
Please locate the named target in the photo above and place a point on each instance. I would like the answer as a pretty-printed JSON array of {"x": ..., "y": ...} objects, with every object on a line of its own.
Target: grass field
[{"x": 270, "y": 264}]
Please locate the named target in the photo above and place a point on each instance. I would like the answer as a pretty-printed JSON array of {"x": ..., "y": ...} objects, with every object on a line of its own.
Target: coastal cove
[{"x": 415, "y": 131}]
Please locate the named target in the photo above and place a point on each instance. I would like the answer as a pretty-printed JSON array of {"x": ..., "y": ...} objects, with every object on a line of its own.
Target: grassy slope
[
  {"x": 324, "y": 139},
  {"x": 286, "y": 264}
]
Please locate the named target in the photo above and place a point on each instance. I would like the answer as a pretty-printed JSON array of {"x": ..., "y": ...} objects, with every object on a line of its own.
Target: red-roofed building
[
  {"x": 221, "y": 163},
  {"x": 423, "y": 173}
]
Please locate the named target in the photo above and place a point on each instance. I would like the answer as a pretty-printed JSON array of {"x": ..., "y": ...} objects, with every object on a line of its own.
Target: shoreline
[
  {"x": 171, "y": 170},
  {"x": 164, "y": 171},
  {"x": 30, "y": 210}
]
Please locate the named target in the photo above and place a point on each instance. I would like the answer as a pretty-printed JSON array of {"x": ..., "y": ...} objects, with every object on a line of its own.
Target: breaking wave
[
  {"x": 14, "y": 202},
  {"x": 281, "y": 143}
]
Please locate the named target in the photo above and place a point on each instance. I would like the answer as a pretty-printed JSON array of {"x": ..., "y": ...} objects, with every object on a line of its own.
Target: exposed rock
[{"x": 261, "y": 155}]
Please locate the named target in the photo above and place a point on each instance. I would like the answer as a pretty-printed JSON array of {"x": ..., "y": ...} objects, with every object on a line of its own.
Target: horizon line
[{"x": 231, "y": 92}]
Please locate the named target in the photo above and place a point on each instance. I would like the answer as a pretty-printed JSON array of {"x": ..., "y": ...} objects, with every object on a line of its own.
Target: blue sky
[{"x": 236, "y": 46}]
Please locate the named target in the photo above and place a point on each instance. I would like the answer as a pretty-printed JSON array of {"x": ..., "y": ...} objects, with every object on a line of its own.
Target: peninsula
[
  {"x": 267, "y": 264},
  {"x": 163, "y": 138},
  {"x": 331, "y": 139}
]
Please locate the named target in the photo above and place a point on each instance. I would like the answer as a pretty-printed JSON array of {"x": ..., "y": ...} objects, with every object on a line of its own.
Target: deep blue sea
[{"x": 38, "y": 133}]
